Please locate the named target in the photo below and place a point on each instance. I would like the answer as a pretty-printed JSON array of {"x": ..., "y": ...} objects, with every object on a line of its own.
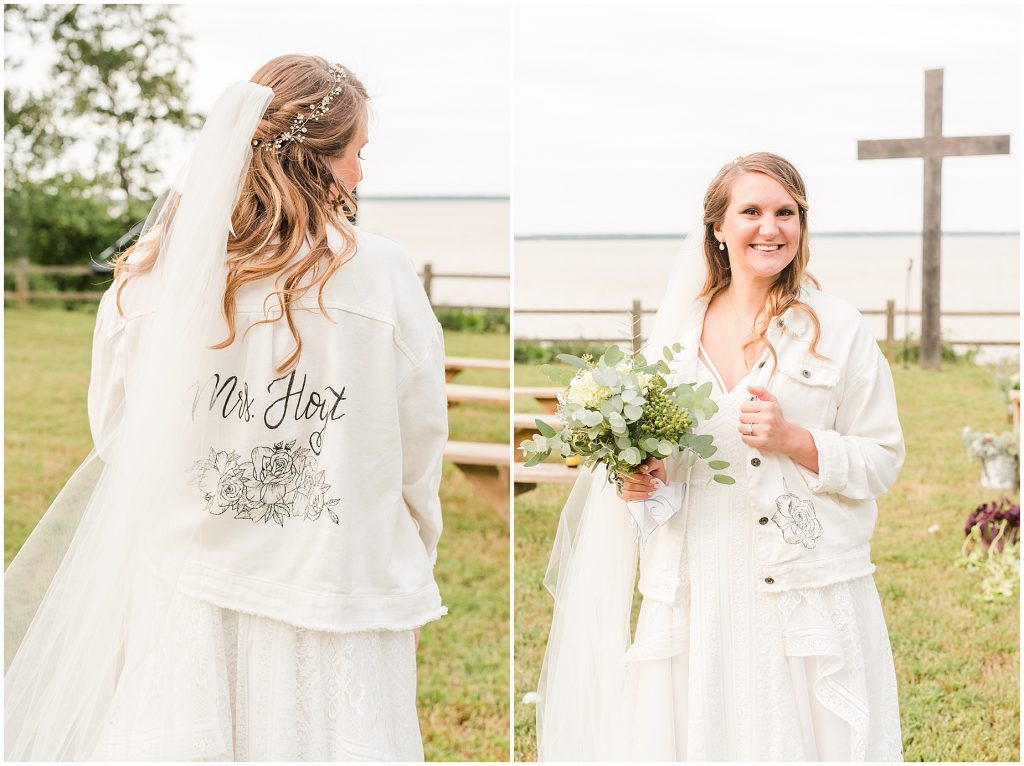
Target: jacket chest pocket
[{"x": 806, "y": 390}]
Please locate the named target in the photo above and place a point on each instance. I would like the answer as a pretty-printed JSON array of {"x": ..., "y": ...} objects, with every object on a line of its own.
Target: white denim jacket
[
  {"x": 319, "y": 497},
  {"x": 814, "y": 529}
]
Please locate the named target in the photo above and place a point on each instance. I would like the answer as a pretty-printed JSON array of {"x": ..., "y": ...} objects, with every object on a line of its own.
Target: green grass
[
  {"x": 957, "y": 658},
  {"x": 463, "y": 658}
]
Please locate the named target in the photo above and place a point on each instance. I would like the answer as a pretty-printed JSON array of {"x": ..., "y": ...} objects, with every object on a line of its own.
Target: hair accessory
[{"x": 297, "y": 131}]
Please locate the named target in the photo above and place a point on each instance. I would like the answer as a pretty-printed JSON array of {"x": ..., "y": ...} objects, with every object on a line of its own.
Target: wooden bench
[
  {"x": 458, "y": 393},
  {"x": 486, "y": 466},
  {"x": 524, "y": 425},
  {"x": 546, "y": 396},
  {"x": 543, "y": 473},
  {"x": 453, "y": 365}
]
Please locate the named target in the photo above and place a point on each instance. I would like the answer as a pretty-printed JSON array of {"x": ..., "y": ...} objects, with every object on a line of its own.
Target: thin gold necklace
[{"x": 739, "y": 318}]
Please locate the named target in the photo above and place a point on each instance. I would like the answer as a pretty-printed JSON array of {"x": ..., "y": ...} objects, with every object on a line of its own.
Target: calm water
[
  {"x": 463, "y": 236},
  {"x": 979, "y": 272}
]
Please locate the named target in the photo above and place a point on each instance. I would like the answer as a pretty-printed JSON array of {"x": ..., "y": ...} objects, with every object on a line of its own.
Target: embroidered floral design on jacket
[
  {"x": 278, "y": 482},
  {"x": 796, "y": 519}
]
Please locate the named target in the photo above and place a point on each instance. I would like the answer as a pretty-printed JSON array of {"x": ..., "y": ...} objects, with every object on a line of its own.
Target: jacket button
[
  {"x": 763, "y": 520},
  {"x": 806, "y": 373},
  {"x": 769, "y": 580},
  {"x": 755, "y": 461},
  {"x": 760, "y": 365}
]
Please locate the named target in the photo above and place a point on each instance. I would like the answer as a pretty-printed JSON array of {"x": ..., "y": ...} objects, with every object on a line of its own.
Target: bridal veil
[{"x": 89, "y": 597}]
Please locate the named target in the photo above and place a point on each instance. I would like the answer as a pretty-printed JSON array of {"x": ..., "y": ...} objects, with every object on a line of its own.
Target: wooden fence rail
[
  {"x": 636, "y": 313},
  {"x": 23, "y": 294}
]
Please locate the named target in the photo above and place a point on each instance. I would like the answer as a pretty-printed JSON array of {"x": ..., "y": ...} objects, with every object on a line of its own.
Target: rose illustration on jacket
[
  {"x": 796, "y": 518},
  {"x": 274, "y": 466},
  {"x": 231, "y": 492},
  {"x": 279, "y": 482},
  {"x": 310, "y": 497},
  {"x": 222, "y": 482}
]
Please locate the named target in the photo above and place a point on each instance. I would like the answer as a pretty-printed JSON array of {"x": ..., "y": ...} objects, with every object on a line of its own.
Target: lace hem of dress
[
  {"x": 225, "y": 685},
  {"x": 822, "y": 623}
]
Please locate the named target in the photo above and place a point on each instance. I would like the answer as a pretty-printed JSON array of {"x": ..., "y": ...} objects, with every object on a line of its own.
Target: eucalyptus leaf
[
  {"x": 613, "y": 356},
  {"x": 718, "y": 465},
  {"x": 633, "y": 412},
  {"x": 722, "y": 478},
  {"x": 544, "y": 428},
  {"x": 611, "y": 406},
  {"x": 557, "y": 374},
  {"x": 607, "y": 376},
  {"x": 575, "y": 361}
]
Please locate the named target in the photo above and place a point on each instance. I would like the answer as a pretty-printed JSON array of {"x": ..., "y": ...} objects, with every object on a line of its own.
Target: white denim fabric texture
[
  {"x": 319, "y": 505},
  {"x": 820, "y": 524}
]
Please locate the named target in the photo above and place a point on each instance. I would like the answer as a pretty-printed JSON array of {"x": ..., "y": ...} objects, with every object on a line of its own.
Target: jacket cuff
[{"x": 833, "y": 463}]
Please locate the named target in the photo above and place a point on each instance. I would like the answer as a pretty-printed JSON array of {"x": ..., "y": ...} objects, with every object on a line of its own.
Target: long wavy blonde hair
[
  {"x": 785, "y": 291},
  {"x": 288, "y": 198}
]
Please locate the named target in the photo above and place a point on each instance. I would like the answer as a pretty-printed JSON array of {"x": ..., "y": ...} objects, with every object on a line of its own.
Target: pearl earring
[{"x": 721, "y": 246}]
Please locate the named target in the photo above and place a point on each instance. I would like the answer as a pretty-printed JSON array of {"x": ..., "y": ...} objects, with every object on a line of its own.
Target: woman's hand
[
  {"x": 772, "y": 432},
  {"x": 416, "y": 638},
  {"x": 640, "y": 485}
]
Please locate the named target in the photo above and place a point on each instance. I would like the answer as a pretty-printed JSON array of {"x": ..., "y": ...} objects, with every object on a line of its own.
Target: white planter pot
[{"x": 1000, "y": 472}]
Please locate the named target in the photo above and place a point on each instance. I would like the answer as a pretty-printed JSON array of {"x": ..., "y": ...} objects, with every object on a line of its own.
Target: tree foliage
[{"x": 82, "y": 150}]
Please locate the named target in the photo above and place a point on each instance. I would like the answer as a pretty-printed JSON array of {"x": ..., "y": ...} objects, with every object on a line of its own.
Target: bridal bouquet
[{"x": 619, "y": 410}]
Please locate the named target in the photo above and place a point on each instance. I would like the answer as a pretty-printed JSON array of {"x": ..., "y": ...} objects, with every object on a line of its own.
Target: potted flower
[{"x": 999, "y": 454}]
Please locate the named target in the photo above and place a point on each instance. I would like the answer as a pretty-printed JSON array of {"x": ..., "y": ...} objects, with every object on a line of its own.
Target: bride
[
  {"x": 760, "y": 634},
  {"x": 240, "y": 568}
]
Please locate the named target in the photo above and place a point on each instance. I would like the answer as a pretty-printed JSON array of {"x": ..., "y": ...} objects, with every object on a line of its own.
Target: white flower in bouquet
[{"x": 620, "y": 410}]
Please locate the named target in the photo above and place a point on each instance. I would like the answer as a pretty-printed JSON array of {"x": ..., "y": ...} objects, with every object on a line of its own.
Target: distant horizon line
[
  {"x": 433, "y": 197},
  {"x": 676, "y": 236}
]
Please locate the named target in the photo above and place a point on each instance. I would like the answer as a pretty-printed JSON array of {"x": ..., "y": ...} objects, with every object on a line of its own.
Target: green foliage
[
  {"x": 911, "y": 352},
  {"x": 81, "y": 151},
  {"x": 118, "y": 79},
  {"x": 473, "y": 320},
  {"x": 1000, "y": 563},
  {"x": 63, "y": 221},
  {"x": 532, "y": 353},
  {"x": 619, "y": 411}
]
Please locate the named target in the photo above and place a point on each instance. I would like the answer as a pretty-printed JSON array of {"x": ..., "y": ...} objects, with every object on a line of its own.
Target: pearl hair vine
[{"x": 297, "y": 131}]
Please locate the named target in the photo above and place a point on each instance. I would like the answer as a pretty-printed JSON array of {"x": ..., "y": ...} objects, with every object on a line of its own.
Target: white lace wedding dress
[
  {"x": 802, "y": 675},
  {"x": 229, "y": 686}
]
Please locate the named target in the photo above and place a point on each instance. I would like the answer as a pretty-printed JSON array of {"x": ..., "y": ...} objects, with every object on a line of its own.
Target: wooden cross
[{"x": 932, "y": 148}]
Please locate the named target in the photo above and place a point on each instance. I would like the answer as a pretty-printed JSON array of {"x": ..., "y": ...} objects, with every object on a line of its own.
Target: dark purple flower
[{"x": 988, "y": 517}]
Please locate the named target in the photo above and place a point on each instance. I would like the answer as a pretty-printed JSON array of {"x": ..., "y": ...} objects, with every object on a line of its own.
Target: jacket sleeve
[
  {"x": 423, "y": 420},
  {"x": 862, "y": 456},
  {"x": 106, "y": 381}
]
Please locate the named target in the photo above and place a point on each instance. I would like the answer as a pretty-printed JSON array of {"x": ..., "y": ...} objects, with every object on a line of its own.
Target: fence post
[
  {"x": 21, "y": 282},
  {"x": 634, "y": 326},
  {"x": 428, "y": 279},
  {"x": 890, "y": 327}
]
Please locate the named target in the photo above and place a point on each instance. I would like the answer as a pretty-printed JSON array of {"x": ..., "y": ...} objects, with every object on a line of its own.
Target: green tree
[{"x": 82, "y": 151}]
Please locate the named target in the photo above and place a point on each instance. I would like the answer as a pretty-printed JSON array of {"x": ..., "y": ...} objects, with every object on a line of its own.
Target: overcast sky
[
  {"x": 623, "y": 112},
  {"x": 438, "y": 76}
]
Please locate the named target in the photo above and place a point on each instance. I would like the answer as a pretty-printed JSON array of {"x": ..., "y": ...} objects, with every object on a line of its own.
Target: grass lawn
[
  {"x": 957, "y": 658},
  {"x": 463, "y": 658}
]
